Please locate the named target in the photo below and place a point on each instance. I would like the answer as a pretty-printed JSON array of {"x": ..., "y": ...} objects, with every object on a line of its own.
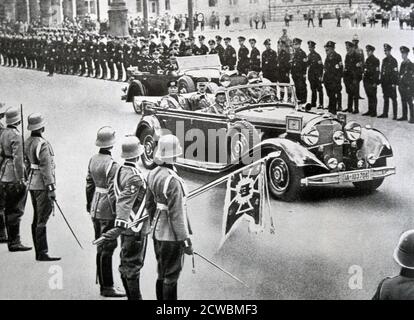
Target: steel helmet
[
  {"x": 12, "y": 116},
  {"x": 168, "y": 148},
  {"x": 35, "y": 121},
  {"x": 105, "y": 137},
  {"x": 404, "y": 252},
  {"x": 131, "y": 148}
]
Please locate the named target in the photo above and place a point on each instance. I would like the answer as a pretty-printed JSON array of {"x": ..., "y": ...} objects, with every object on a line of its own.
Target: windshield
[{"x": 262, "y": 94}]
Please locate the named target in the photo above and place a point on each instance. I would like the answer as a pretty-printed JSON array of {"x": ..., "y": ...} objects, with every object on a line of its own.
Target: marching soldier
[
  {"x": 389, "y": 82},
  {"x": 371, "y": 80},
  {"x": 406, "y": 86},
  {"x": 130, "y": 191},
  {"x": 166, "y": 205},
  {"x": 230, "y": 57},
  {"x": 400, "y": 287},
  {"x": 42, "y": 183},
  {"x": 12, "y": 179},
  {"x": 100, "y": 205},
  {"x": 220, "y": 49},
  {"x": 269, "y": 62},
  {"x": 3, "y": 230},
  {"x": 352, "y": 77},
  {"x": 254, "y": 62},
  {"x": 332, "y": 77},
  {"x": 315, "y": 74},
  {"x": 243, "y": 64},
  {"x": 299, "y": 66}
]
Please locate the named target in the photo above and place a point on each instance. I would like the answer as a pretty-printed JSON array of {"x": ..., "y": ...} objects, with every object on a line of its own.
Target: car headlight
[
  {"x": 339, "y": 138},
  {"x": 353, "y": 131},
  {"x": 332, "y": 163},
  {"x": 225, "y": 80},
  {"x": 310, "y": 137},
  {"x": 361, "y": 164},
  {"x": 371, "y": 159}
]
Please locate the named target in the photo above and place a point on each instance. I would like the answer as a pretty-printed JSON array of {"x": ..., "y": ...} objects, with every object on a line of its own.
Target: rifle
[{"x": 23, "y": 148}]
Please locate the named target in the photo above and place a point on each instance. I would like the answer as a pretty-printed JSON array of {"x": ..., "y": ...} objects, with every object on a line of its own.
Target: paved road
[{"x": 317, "y": 239}]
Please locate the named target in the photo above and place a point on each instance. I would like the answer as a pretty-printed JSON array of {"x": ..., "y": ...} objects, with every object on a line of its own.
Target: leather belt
[
  {"x": 34, "y": 166},
  {"x": 161, "y": 206},
  {"x": 101, "y": 190}
]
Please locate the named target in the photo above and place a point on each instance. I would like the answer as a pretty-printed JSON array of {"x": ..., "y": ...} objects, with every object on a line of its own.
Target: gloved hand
[
  {"x": 112, "y": 234},
  {"x": 51, "y": 194},
  {"x": 188, "y": 247}
]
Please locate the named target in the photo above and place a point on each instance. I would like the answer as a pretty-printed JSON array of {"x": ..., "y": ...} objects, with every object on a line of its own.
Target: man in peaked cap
[
  {"x": 315, "y": 74},
  {"x": 389, "y": 82},
  {"x": 406, "y": 86},
  {"x": 243, "y": 64},
  {"x": 174, "y": 100},
  {"x": 400, "y": 287},
  {"x": 269, "y": 62},
  {"x": 230, "y": 56},
  {"x": 220, "y": 49},
  {"x": 166, "y": 206},
  {"x": 3, "y": 229},
  {"x": 199, "y": 100},
  {"x": 100, "y": 204},
  {"x": 299, "y": 66},
  {"x": 352, "y": 72},
  {"x": 130, "y": 192},
  {"x": 371, "y": 79},
  {"x": 332, "y": 78},
  {"x": 254, "y": 60},
  {"x": 13, "y": 179},
  {"x": 42, "y": 183},
  {"x": 202, "y": 49}
]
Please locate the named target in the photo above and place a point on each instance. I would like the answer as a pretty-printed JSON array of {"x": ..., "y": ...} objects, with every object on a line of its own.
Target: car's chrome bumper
[{"x": 339, "y": 177}]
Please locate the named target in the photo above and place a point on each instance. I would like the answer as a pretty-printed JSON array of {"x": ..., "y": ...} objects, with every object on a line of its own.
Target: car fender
[
  {"x": 296, "y": 153},
  {"x": 150, "y": 122},
  {"x": 374, "y": 142}
]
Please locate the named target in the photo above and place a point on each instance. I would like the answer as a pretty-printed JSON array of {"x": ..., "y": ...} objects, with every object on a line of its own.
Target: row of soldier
[{"x": 116, "y": 195}]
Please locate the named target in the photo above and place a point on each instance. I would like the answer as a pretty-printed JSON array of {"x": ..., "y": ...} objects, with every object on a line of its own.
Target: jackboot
[
  {"x": 14, "y": 243},
  {"x": 159, "y": 289},
  {"x": 3, "y": 229},
  {"x": 169, "y": 291},
  {"x": 134, "y": 289}
]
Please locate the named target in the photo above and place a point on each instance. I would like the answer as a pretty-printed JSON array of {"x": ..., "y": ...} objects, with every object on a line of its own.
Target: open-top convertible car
[
  {"x": 309, "y": 148},
  {"x": 190, "y": 69}
]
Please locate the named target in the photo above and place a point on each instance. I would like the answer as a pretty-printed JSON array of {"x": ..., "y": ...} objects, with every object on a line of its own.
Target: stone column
[
  {"x": 10, "y": 10},
  {"x": 46, "y": 12},
  {"x": 80, "y": 8},
  {"x": 22, "y": 12},
  {"x": 118, "y": 19},
  {"x": 34, "y": 10},
  {"x": 57, "y": 13}
]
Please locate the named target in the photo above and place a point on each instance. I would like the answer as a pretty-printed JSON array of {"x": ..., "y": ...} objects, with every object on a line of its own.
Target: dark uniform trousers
[
  {"x": 406, "y": 88},
  {"x": 389, "y": 91},
  {"x": 3, "y": 232},
  {"x": 15, "y": 201},
  {"x": 42, "y": 209}
]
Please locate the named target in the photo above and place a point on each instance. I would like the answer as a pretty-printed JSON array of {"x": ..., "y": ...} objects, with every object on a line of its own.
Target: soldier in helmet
[
  {"x": 400, "y": 287},
  {"x": 130, "y": 191},
  {"x": 3, "y": 230},
  {"x": 42, "y": 183},
  {"x": 13, "y": 179},
  {"x": 100, "y": 204},
  {"x": 166, "y": 205}
]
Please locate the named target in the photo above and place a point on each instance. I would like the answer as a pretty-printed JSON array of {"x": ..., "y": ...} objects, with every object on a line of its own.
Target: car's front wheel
[
  {"x": 368, "y": 187},
  {"x": 283, "y": 178},
  {"x": 147, "y": 140}
]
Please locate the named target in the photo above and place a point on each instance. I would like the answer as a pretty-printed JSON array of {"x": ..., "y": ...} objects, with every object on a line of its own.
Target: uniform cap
[
  {"x": 181, "y": 34},
  {"x": 252, "y": 40},
  {"x": 404, "y": 252},
  {"x": 172, "y": 83},
  {"x": 387, "y": 47},
  {"x": 330, "y": 44},
  {"x": 349, "y": 44},
  {"x": 297, "y": 41},
  {"x": 219, "y": 38},
  {"x": 201, "y": 38},
  {"x": 35, "y": 121},
  {"x": 312, "y": 44},
  {"x": 241, "y": 38},
  {"x": 12, "y": 116},
  {"x": 370, "y": 48},
  {"x": 105, "y": 138},
  {"x": 227, "y": 39},
  {"x": 162, "y": 37},
  {"x": 220, "y": 91},
  {"x": 267, "y": 42},
  {"x": 211, "y": 42},
  {"x": 404, "y": 49},
  {"x": 203, "y": 80},
  {"x": 168, "y": 148},
  {"x": 131, "y": 148}
]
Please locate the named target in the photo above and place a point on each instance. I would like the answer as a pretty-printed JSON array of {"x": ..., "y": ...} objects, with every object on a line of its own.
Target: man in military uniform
[
  {"x": 75, "y": 56},
  {"x": 171, "y": 66},
  {"x": 299, "y": 65},
  {"x": 144, "y": 61},
  {"x": 286, "y": 40},
  {"x": 243, "y": 64},
  {"x": 389, "y": 82},
  {"x": 156, "y": 66},
  {"x": 230, "y": 57},
  {"x": 400, "y": 287},
  {"x": 406, "y": 86},
  {"x": 174, "y": 100},
  {"x": 130, "y": 191},
  {"x": 371, "y": 80},
  {"x": 332, "y": 77},
  {"x": 269, "y": 62},
  {"x": 315, "y": 74},
  {"x": 111, "y": 58},
  {"x": 51, "y": 55},
  {"x": 166, "y": 205},
  {"x": 219, "y": 106},
  {"x": 254, "y": 61},
  {"x": 42, "y": 183},
  {"x": 13, "y": 180},
  {"x": 90, "y": 52},
  {"x": 202, "y": 49},
  {"x": 118, "y": 59},
  {"x": 100, "y": 204},
  {"x": 212, "y": 45},
  {"x": 3, "y": 229},
  {"x": 361, "y": 61},
  {"x": 283, "y": 64},
  {"x": 352, "y": 78},
  {"x": 220, "y": 49},
  {"x": 199, "y": 100},
  {"x": 163, "y": 45}
]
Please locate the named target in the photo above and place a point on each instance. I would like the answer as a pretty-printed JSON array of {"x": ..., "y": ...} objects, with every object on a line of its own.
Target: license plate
[{"x": 364, "y": 175}]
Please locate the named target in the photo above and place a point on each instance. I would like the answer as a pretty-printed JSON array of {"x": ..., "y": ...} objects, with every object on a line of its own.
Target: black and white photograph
[{"x": 206, "y": 150}]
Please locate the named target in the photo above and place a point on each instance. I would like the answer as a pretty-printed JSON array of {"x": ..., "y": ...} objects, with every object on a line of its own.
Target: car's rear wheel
[
  {"x": 147, "y": 140},
  {"x": 368, "y": 187},
  {"x": 283, "y": 178},
  {"x": 186, "y": 85}
]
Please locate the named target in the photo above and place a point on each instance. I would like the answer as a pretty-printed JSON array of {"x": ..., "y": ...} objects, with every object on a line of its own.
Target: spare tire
[
  {"x": 241, "y": 138},
  {"x": 137, "y": 89},
  {"x": 186, "y": 85}
]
